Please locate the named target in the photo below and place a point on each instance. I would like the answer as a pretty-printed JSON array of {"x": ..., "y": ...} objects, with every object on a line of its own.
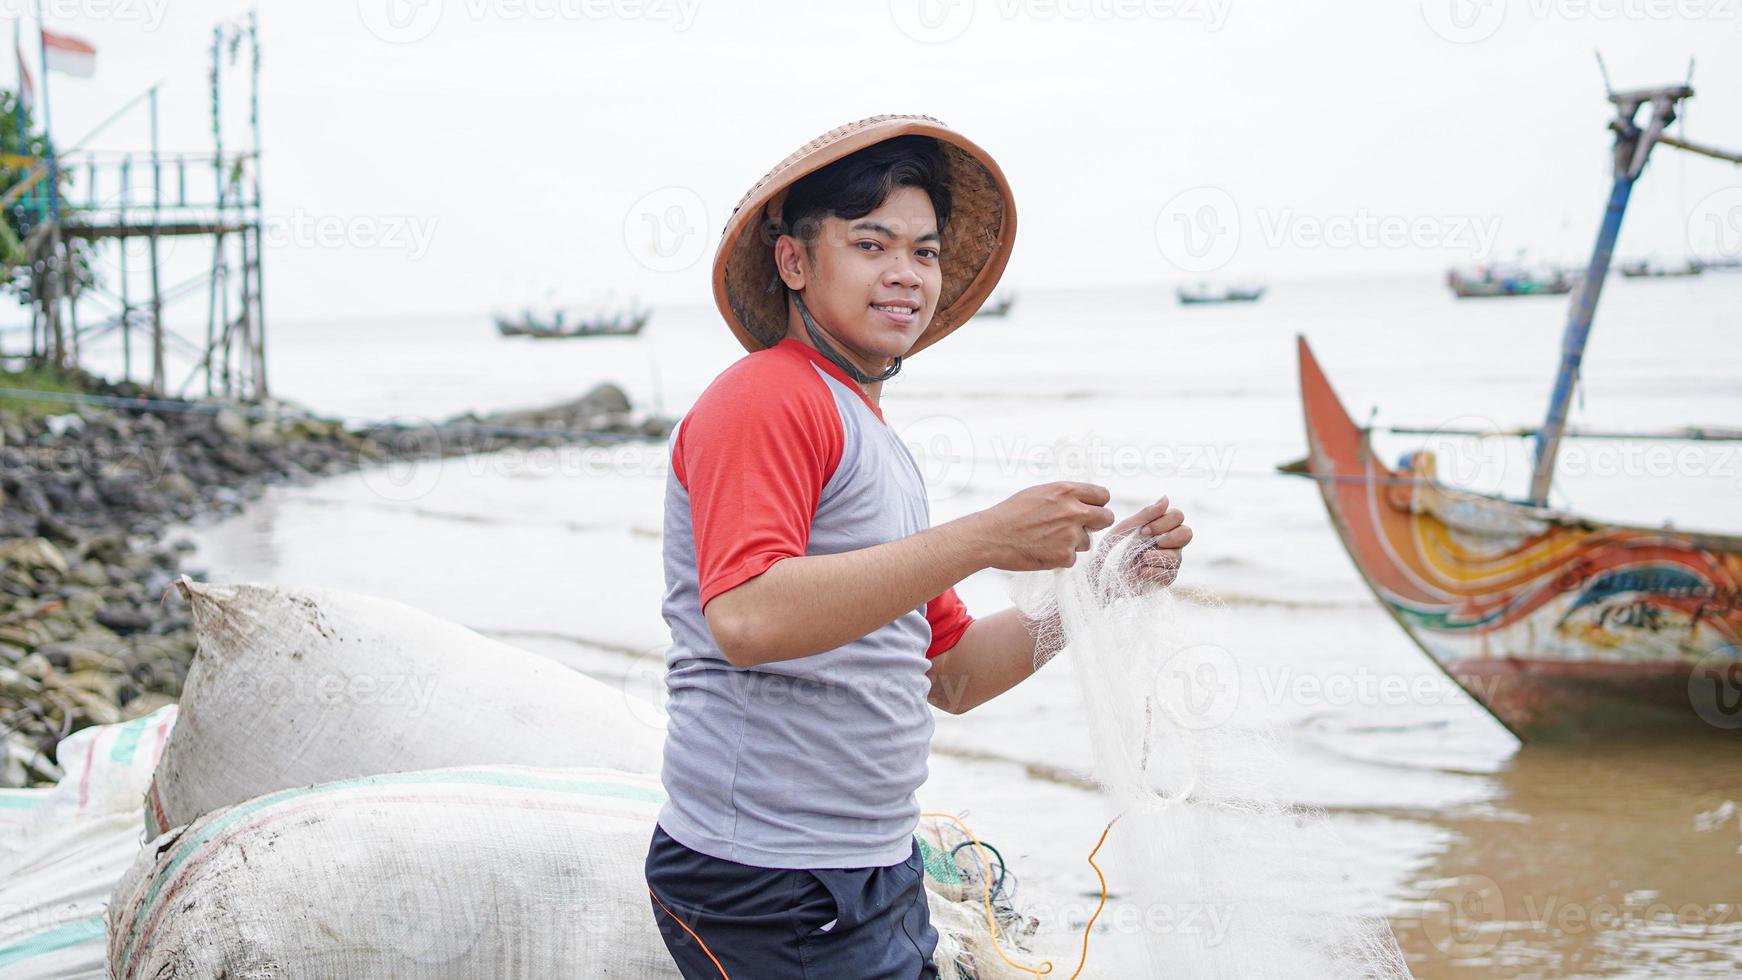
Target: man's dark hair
[{"x": 856, "y": 185}]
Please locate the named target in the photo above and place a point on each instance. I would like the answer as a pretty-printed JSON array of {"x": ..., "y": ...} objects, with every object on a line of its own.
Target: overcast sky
[{"x": 455, "y": 155}]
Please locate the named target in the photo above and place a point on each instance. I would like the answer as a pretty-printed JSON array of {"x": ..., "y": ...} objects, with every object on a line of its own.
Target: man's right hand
[{"x": 1043, "y": 527}]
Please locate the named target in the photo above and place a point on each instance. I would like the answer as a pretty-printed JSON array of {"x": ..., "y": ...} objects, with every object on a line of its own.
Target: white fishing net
[{"x": 1211, "y": 861}]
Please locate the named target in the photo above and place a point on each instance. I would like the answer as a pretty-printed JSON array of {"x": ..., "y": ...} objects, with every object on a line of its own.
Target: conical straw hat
[{"x": 976, "y": 241}]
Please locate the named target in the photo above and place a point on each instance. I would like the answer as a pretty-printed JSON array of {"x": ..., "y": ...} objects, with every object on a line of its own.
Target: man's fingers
[
  {"x": 1090, "y": 493},
  {"x": 1160, "y": 566},
  {"x": 1174, "y": 540},
  {"x": 1166, "y": 521},
  {"x": 1142, "y": 519},
  {"x": 1149, "y": 512}
]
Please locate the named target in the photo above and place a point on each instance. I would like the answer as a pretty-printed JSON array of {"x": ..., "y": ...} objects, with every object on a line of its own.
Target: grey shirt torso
[{"x": 812, "y": 762}]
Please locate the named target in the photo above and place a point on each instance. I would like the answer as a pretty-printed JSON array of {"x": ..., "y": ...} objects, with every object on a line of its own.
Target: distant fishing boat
[
  {"x": 1204, "y": 293},
  {"x": 1645, "y": 269},
  {"x": 1558, "y": 625},
  {"x": 1509, "y": 280},
  {"x": 611, "y": 325},
  {"x": 997, "y": 307}
]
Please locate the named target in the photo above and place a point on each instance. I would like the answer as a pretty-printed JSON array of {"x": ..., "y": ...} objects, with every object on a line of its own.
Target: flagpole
[
  {"x": 52, "y": 313},
  {"x": 157, "y": 374},
  {"x": 18, "y": 54},
  {"x": 23, "y": 139},
  {"x": 47, "y": 123}
]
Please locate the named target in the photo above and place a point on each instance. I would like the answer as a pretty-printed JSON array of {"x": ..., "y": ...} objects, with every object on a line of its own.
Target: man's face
[{"x": 873, "y": 282}]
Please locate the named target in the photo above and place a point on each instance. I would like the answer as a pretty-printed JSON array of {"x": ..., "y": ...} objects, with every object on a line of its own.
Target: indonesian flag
[
  {"x": 26, "y": 84},
  {"x": 67, "y": 54}
]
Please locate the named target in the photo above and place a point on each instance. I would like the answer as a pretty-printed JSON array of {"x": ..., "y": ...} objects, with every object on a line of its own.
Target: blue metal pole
[
  {"x": 1578, "y": 330},
  {"x": 18, "y": 102},
  {"x": 47, "y": 126}
]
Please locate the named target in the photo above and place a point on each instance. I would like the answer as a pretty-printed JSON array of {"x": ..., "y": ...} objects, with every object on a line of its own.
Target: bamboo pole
[
  {"x": 259, "y": 214},
  {"x": 158, "y": 378},
  {"x": 126, "y": 305}
]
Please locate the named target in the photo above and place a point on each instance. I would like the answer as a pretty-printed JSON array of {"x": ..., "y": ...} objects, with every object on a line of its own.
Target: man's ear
[{"x": 789, "y": 261}]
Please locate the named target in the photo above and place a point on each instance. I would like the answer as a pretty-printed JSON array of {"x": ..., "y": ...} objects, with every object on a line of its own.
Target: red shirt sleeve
[
  {"x": 949, "y": 619},
  {"x": 754, "y": 455}
]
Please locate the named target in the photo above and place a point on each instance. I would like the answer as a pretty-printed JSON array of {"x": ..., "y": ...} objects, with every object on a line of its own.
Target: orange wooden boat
[{"x": 1557, "y": 625}]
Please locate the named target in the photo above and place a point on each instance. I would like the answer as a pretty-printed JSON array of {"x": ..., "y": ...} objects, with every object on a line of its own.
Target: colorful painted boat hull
[{"x": 1560, "y": 627}]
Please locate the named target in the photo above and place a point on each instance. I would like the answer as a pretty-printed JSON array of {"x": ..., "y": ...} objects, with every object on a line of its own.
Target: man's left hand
[{"x": 1155, "y": 566}]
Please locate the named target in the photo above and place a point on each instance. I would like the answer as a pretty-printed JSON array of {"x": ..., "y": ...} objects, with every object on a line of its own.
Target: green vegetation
[
  {"x": 44, "y": 379},
  {"x": 18, "y": 141}
]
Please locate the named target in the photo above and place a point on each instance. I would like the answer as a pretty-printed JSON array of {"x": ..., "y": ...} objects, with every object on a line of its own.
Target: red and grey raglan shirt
[{"x": 813, "y": 762}]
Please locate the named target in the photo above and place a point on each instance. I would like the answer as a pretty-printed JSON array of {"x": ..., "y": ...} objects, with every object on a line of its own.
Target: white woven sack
[
  {"x": 68, "y": 846},
  {"x": 452, "y": 873},
  {"x": 295, "y": 687}
]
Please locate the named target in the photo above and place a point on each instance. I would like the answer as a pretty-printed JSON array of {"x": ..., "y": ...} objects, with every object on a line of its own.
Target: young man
[{"x": 812, "y": 606}]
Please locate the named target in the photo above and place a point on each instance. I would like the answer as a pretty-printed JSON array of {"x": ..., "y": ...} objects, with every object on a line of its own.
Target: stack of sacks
[
  {"x": 459, "y": 874},
  {"x": 356, "y": 788},
  {"x": 62, "y": 849},
  {"x": 472, "y": 872}
]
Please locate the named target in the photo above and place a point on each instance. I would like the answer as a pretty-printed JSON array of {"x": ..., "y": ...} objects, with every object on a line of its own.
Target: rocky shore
[{"x": 90, "y": 494}]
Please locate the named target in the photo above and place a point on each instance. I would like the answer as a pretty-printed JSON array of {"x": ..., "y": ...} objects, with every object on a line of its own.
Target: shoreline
[{"x": 95, "y": 483}]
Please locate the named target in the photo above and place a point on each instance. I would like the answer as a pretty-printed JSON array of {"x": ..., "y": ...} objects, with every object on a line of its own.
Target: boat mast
[{"x": 1632, "y": 148}]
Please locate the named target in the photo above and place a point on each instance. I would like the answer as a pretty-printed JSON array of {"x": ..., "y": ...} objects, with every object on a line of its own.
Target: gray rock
[
  {"x": 91, "y": 573},
  {"x": 107, "y": 547},
  {"x": 33, "y": 553},
  {"x": 232, "y": 424},
  {"x": 123, "y": 620},
  {"x": 178, "y": 486}
]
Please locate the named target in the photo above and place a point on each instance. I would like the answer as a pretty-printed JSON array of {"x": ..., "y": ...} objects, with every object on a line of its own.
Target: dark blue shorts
[{"x": 780, "y": 924}]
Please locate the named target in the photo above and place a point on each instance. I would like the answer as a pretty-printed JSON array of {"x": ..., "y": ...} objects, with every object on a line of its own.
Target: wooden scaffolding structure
[{"x": 80, "y": 206}]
